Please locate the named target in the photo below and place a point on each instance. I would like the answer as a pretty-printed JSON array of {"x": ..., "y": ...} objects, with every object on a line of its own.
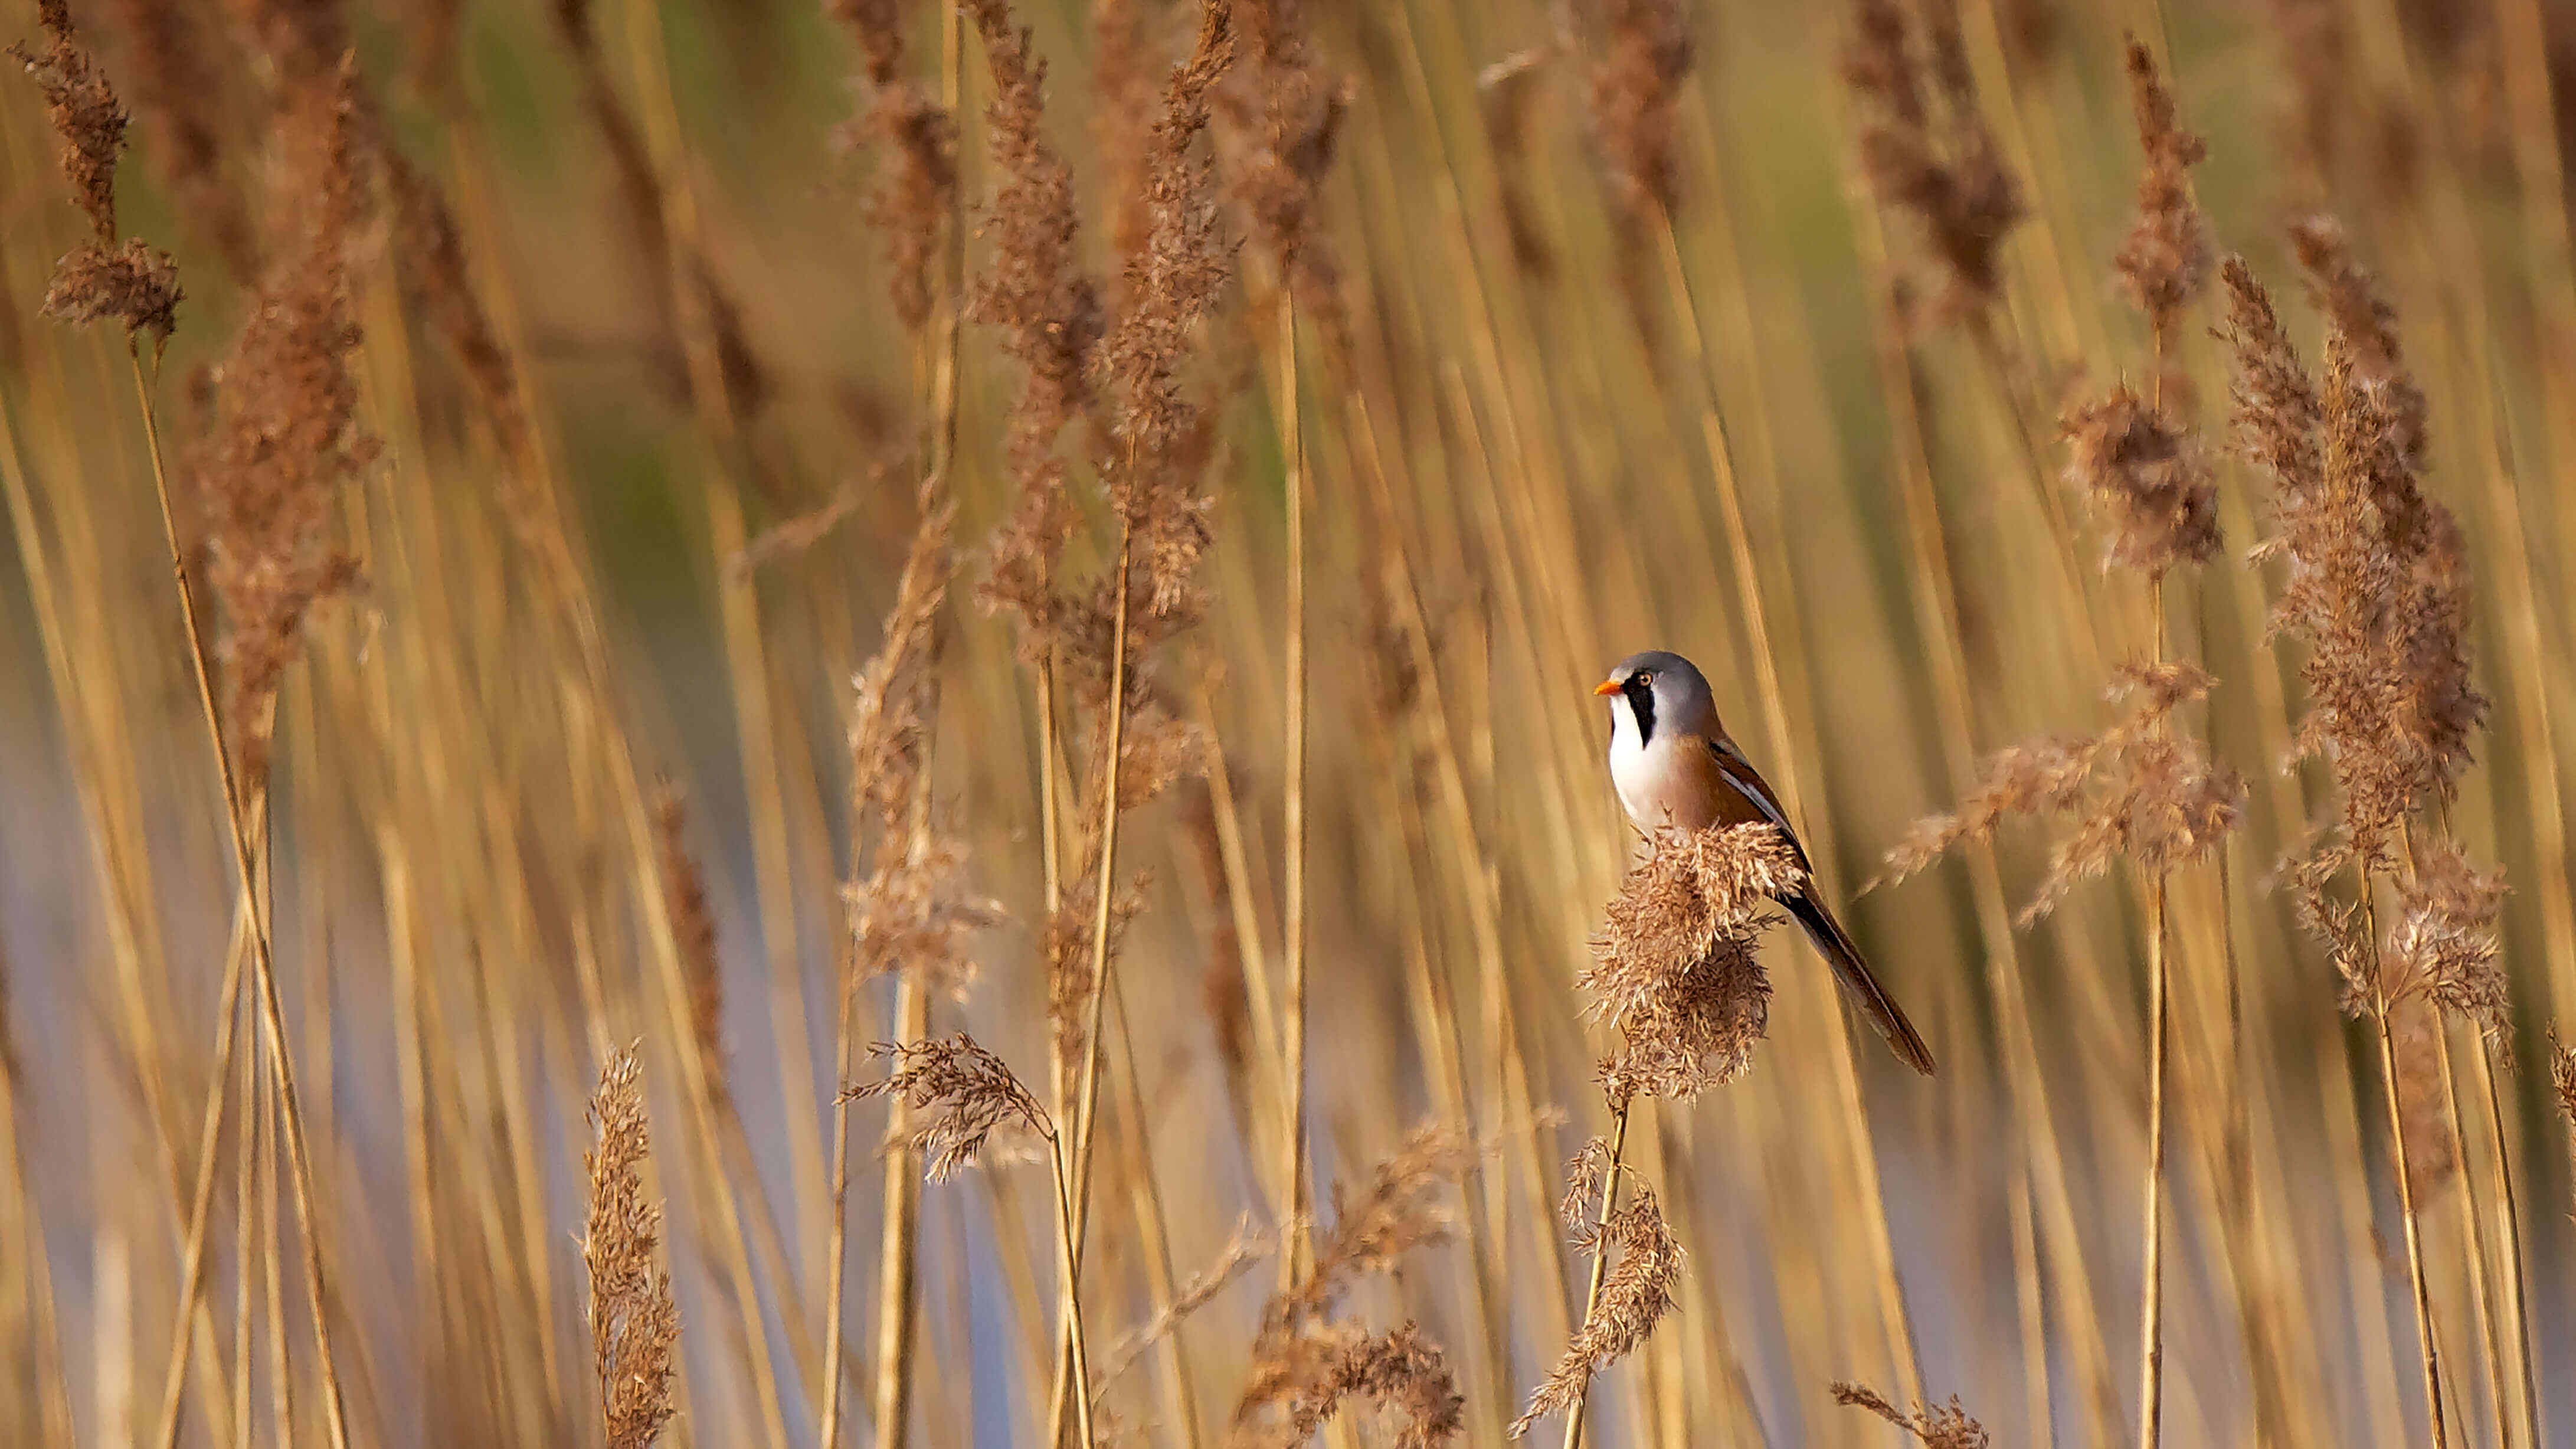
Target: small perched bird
[{"x": 1674, "y": 765}]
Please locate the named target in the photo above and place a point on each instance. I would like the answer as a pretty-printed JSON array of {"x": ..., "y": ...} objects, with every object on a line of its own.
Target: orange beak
[{"x": 1609, "y": 686}]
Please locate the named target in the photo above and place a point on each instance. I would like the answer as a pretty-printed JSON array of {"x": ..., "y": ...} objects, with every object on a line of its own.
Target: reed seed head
[
  {"x": 2166, "y": 257},
  {"x": 2135, "y": 790},
  {"x": 966, "y": 1093},
  {"x": 1635, "y": 1295},
  {"x": 1950, "y": 175},
  {"x": 101, "y": 277},
  {"x": 1644, "y": 64},
  {"x": 86, "y": 116},
  {"x": 2445, "y": 945},
  {"x": 693, "y": 931},
  {"x": 634, "y": 1323},
  {"x": 285, "y": 436},
  {"x": 1942, "y": 1428},
  {"x": 2151, "y": 478},
  {"x": 1675, "y": 966},
  {"x": 1306, "y": 1363},
  {"x": 918, "y": 185}
]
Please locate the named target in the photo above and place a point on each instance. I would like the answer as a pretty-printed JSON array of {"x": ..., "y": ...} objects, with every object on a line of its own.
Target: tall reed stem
[
  {"x": 2151, "y": 1312},
  {"x": 2430, "y": 1354},
  {"x": 1293, "y": 907},
  {"x": 239, "y": 830},
  {"x": 1600, "y": 1260},
  {"x": 1073, "y": 1379}
]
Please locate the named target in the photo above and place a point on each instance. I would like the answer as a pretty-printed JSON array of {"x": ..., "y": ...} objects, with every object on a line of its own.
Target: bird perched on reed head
[{"x": 1675, "y": 766}]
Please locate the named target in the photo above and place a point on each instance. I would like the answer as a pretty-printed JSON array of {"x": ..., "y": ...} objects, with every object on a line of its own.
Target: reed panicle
[
  {"x": 285, "y": 437},
  {"x": 174, "y": 83},
  {"x": 693, "y": 932},
  {"x": 2129, "y": 791},
  {"x": 2165, "y": 260},
  {"x": 918, "y": 187},
  {"x": 1625, "y": 1306},
  {"x": 103, "y": 277},
  {"x": 1646, "y": 58},
  {"x": 1307, "y": 1361},
  {"x": 1947, "y": 1427},
  {"x": 2562, "y": 1082},
  {"x": 1674, "y": 966},
  {"x": 634, "y": 1322},
  {"x": 963, "y": 1096},
  {"x": 1943, "y": 168}
]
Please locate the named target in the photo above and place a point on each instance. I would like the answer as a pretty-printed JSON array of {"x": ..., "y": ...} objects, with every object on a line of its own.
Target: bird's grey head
[{"x": 1663, "y": 691}]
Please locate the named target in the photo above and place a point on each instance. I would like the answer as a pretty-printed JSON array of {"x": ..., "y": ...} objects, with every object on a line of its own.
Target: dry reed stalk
[
  {"x": 288, "y": 440},
  {"x": 2446, "y": 221},
  {"x": 1293, "y": 895},
  {"x": 1937, "y": 590}
]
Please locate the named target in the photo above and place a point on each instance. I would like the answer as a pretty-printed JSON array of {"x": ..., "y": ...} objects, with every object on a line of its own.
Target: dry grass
[{"x": 1106, "y": 516}]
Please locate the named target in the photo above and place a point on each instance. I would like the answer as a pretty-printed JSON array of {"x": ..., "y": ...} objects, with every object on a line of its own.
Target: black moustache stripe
[{"x": 1641, "y": 702}]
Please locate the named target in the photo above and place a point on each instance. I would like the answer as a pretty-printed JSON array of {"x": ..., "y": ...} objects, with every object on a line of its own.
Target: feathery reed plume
[
  {"x": 2130, "y": 791},
  {"x": 690, "y": 301},
  {"x": 893, "y": 693},
  {"x": 912, "y": 914},
  {"x": 179, "y": 96},
  {"x": 2344, "y": 290},
  {"x": 2444, "y": 944},
  {"x": 1675, "y": 967},
  {"x": 2149, "y": 475},
  {"x": 1674, "y": 964},
  {"x": 84, "y": 112},
  {"x": 2317, "y": 104},
  {"x": 1283, "y": 107},
  {"x": 913, "y": 197},
  {"x": 1624, "y": 1307},
  {"x": 693, "y": 932},
  {"x": 1157, "y": 430},
  {"x": 102, "y": 277},
  {"x": 1948, "y": 174},
  {"x": 961, "y": 1096},
  {"x": 2375, "y": 590},
  {"x": 2425, "y": 554},
  {"x": 1048, "y": 310},
  {"x": 285, "y": 435},
  {"x": 1944, "y": 1428},
  {"x": 634, "y": 1324},
  {"x": 1645, "y": 59},
  {"x": 2165, "y": 260},
  {"x": 1306, "y": 1362},
  {"x": 431, "y": 252}
]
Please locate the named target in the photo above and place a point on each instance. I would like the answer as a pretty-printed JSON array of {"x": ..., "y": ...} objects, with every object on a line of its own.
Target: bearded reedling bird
[{"x": 1674, "y": 765}]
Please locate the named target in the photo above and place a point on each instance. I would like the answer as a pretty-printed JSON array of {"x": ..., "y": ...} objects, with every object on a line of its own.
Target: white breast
[{"x": 1651, "y": 778}]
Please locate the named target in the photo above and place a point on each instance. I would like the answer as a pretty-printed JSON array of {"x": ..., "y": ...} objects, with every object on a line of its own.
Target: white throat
[{"x": 1647, "y": 772}]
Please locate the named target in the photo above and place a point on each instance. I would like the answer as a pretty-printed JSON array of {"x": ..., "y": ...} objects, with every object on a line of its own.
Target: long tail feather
[{"x": 1835, "y": 945}]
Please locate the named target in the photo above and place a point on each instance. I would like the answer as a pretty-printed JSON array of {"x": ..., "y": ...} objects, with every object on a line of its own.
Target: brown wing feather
[{"x": 1742, "y": 796}]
